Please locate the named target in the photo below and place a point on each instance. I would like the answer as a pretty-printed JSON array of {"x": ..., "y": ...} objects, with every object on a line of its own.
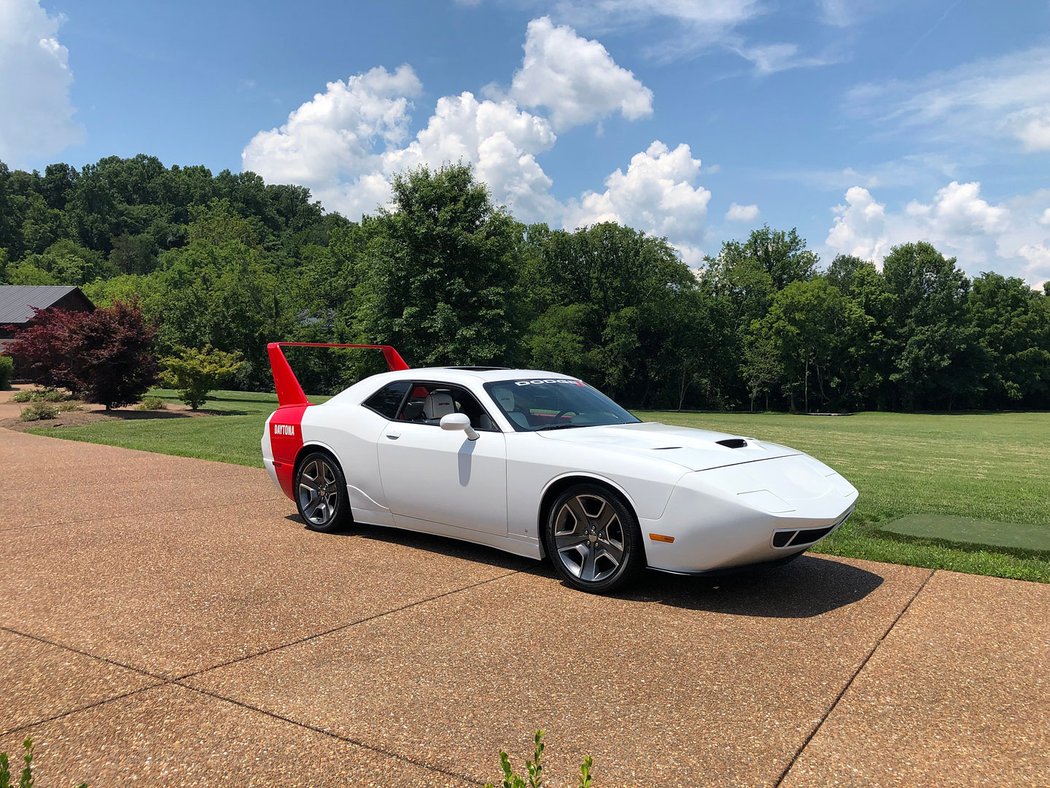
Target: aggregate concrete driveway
[{"x": 167, "y": 621}]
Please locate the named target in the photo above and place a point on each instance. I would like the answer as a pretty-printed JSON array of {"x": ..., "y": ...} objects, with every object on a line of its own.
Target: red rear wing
[{"x": 289, "y": 392}]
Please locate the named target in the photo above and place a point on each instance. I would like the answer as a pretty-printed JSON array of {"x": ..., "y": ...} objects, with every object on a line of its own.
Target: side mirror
[{"x": 459, "y": 421}]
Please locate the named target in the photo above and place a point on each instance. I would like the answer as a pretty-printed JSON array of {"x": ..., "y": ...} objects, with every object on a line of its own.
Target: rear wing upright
[{"x": 289, "y": 392}]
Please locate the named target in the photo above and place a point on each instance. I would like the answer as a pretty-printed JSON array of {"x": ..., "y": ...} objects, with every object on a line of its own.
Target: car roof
[{"x": 463, "y": 376}]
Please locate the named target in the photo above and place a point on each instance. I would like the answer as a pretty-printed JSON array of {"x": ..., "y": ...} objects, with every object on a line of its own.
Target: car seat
[
  {"x": 438, "y": 404},
  {"x": 505, "y": 398}
]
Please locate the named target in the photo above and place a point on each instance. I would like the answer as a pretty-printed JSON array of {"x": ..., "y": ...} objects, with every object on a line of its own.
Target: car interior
[{"x": 428, "y": 402}]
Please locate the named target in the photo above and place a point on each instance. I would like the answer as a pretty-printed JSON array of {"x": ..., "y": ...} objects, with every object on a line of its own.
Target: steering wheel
[{"x": 563, "y": 412}]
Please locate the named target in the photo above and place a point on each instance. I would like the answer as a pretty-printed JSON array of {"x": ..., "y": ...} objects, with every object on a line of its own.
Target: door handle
[{"x": 393, "y": 435}]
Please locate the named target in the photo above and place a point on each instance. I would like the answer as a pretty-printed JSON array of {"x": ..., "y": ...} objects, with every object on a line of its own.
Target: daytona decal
[{"x": 284, "y": 429}]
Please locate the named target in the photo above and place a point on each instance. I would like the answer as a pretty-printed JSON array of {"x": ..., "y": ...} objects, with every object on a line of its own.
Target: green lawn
[
  {"x": 984, "y": 466},
  {"x": 232, "y": 437}
]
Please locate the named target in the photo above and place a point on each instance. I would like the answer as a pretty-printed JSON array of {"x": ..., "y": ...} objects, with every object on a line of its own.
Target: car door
[{"x": 439, "y": 476}]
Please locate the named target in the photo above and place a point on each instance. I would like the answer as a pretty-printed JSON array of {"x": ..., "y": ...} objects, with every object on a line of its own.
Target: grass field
[{"x": 985, "y": 466}]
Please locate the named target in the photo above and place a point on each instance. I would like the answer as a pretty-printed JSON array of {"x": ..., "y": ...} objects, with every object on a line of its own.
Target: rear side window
[
  {"x": 428, "y": 402},
  {"x": 387, "y": 400}
]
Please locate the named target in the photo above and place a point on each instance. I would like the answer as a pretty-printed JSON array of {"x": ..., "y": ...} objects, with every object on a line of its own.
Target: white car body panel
[{"x": 721, "y": 505}]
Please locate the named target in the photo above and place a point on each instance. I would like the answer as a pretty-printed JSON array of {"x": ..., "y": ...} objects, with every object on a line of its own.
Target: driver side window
[{"x": 426, "y": 403}]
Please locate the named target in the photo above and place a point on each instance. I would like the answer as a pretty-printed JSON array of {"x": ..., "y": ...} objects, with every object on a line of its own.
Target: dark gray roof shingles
[{"x": 17, "y": 301}]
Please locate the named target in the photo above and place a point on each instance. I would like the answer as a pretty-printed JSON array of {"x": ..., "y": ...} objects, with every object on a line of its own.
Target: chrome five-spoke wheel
[
  {"x": 593, "y": 538},
  {"x": 321, "y": 492}
]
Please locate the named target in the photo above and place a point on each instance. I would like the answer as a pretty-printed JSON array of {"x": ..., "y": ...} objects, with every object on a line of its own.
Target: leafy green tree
[
  {"x": 438, "y": 272},
  {"x": 613, "y": 290},
  {"x": 134, "y": 254},
  {"x": 809, "y": 330},
  {"x": 195, "y": 372},
  {"x": 66, "y": 263},
  {"x": 782, "y": 255},
  {"x": 221, "y": 291},
  {"x": 27, "y": 273},
  {"x": 869, "y": 363},
  {"x": 938, "y": 360},
  {"x": 1013, "y": 325}
]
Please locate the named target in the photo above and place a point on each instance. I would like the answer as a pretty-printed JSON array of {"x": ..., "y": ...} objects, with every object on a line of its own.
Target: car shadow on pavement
[
  {"x": 808, "y": 586},
  {"x": 453, "y": 548}
]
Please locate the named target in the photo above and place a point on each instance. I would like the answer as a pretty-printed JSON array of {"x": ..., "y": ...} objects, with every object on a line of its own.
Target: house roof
[{"x": 18, "y": 301}]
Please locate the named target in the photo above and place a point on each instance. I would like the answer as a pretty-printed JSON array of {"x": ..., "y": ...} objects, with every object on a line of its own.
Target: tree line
[{"x": 446, "y": 276}]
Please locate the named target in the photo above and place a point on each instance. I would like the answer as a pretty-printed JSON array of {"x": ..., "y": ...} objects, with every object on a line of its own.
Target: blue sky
[{"x": 864, "y": 124}]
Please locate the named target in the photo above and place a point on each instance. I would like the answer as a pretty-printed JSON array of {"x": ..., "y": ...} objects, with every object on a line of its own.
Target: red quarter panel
[{"x": 286, "y": 439}]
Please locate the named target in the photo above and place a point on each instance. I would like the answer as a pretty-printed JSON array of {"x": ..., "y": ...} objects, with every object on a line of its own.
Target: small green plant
[
  {"x": 70, "y": 405},
  {"x": 533, "y": 776},
  {"x": 7, "y": 369},
  {"x": 38, "y": 411},
  {"x": 152, "y": 403},
  {"x": 25, "y": 779},
  {"x": 196, "y": 371}
]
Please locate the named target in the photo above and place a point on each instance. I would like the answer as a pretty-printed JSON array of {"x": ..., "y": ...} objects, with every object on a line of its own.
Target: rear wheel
[
  {"x": 320, "y": 493},
  {"x": 593, "y": 539}
]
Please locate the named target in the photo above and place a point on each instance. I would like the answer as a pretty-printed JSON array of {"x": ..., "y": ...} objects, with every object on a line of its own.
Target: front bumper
[{"x": 735, "y": 516}]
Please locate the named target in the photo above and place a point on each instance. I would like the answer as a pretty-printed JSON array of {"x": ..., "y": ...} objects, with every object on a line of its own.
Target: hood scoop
[{"x": 733, "y": 443}]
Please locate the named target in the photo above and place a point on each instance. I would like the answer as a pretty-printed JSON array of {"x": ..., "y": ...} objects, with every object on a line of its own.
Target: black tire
[
  {"x": 320, "y": 493},
  {"x": 593, "y": 539}
]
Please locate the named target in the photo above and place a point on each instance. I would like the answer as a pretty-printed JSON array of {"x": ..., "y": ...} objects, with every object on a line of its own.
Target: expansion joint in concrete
[{"x": 838, "y": 698}]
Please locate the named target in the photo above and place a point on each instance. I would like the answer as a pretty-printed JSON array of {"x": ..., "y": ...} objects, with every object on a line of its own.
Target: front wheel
[
  {"x": 593, "y": 539},
  {"x": 320, "y": 493}
]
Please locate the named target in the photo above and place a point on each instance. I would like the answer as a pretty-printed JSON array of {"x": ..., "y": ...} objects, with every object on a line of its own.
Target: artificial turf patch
[{"x": 1016, "y": 536}]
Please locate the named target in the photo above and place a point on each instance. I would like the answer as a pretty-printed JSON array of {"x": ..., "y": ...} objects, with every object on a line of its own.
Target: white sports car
[{"x": 537, "y": 463}]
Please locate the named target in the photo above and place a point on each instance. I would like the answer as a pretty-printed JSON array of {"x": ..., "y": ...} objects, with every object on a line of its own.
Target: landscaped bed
[{"x": 980, "y": 466}]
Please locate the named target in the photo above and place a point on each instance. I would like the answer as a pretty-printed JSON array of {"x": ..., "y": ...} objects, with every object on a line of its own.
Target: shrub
[
  {"x": 103, "y": 356},
  {"x": 533, "y": 777},
  {"x": 7, "y": 370},
  {"x": 38, "y": 411},
  {"x": 41, "y": 395},
  {"x": 68, "y": 406},
  {"x": 194, "y": 372},
  {"x": 152, "y": 403}
]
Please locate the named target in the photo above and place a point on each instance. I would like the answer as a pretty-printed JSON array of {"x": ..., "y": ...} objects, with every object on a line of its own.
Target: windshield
[{"x": 532, "y": 404}]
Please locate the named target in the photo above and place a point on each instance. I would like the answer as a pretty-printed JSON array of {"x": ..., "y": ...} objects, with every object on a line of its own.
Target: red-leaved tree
[{"x": 105, "y": 356}]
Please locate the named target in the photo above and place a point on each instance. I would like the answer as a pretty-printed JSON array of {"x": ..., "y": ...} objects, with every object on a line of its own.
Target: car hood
[{"x": 697, "y": 450}]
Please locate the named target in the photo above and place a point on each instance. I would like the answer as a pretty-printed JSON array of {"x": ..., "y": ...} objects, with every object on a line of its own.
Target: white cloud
[
  {"x": 1011, "y": 238},
  {"x": 1032, "y": 128},
  {"x": 709, "y": 19},
  {"x": 658, "y": 194},
  {"x": 958, "y": 209},
  {"x": 498, "y": 138},
  {"x": 346, "y": 143},
  {"x": 329, "y": 143},
  {"x": 741, "y": 213},
  {"x": 859, "y": 228},
  {"x": 1037, "y": 257},
  {"x": 36, "y": 114},
  {"x": 575, "y": 78},
  {"x": 1005, "y": 98},
  {"x": 697, "y": 25},
  {"x": 837, "y": 13},
  {"x": 772, "y": 58}
]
